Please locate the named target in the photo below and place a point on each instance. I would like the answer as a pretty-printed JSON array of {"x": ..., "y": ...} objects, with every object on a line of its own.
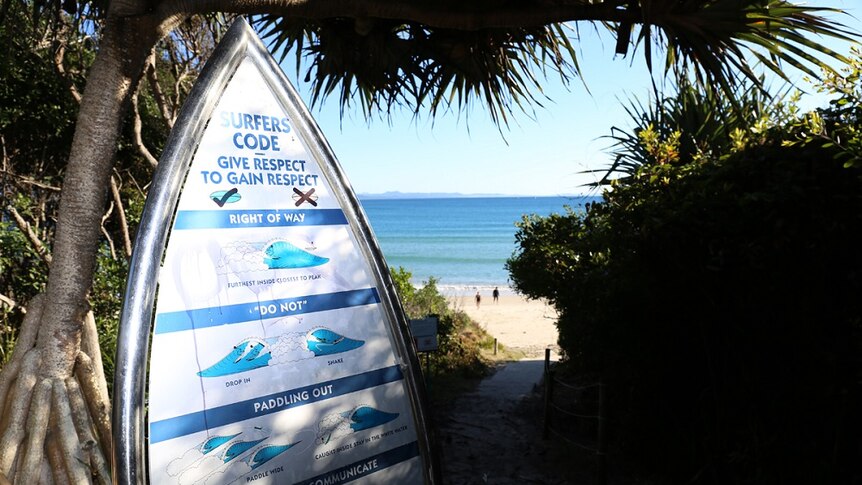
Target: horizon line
[{"x": 453, "y": 195}]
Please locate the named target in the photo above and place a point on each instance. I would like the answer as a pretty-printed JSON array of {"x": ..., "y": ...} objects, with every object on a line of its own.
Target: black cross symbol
[{"x": 306, "y": 197}]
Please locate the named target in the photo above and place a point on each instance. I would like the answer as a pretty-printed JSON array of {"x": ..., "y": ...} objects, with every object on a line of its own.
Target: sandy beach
[{"x": 527, "y": 325}]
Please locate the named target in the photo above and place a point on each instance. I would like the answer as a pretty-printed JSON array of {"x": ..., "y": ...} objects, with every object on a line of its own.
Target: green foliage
[
  {"x": 460, "y": 342},
  {"x": 718, "y": 295},
  {"x": 22, "y": 275},
  {"x": 37, "y": 119},
  {"x": 106, "y": 300},
  {"x": 418, "y": 303},
  {"x": 772, "y": 32},
  {"x": 16, "y": 254},
  {"x": 36, "y": 122},
  {"x": 838, "y": 125},
  {"x": 459, "y": 339},
  {"x": 37, "y": 114},
  {"x": 693, "y": 125}
]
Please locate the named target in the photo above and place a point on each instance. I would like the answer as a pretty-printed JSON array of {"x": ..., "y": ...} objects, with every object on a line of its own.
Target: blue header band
[
  {"x": 246, "y": 312},
  {"x": 252, "y": 408},
  {"x": 226, "y": 219},
  {"x": 367, "y": 466}
]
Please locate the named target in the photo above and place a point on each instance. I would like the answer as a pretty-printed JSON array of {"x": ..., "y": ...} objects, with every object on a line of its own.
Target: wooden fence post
[
  {"x": 601, "y": 452},
  {"x": 549, "y": 390}
]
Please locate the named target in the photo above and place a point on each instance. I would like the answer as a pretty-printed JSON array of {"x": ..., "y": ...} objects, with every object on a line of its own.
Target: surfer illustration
[
  {"x": 281, "y": 254},
  {"x": 323, "y": 341},
  {"x": 201, "y": 461},
  {"x": 357, "y": 419},
  {"x": 214, "y": 442},
  {"x": 242, "y": 256},
  {"x": 254, "y": 352},
  {"x": 239, "y": 260},
  {"x": 226, "y": 458},
  {"x": 266, "y": 453}
]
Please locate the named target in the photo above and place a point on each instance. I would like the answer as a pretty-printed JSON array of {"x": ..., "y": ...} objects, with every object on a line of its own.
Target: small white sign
[
  {"x": 424, "y": 332},
  {"x": 426, "y": 343}
]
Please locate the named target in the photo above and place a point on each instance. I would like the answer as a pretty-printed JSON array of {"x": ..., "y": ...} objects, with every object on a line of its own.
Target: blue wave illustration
[
  {"x": 239, "y": 448},
  {"x": 254, "y": 353},
  {"x": 283, "y": 255},
  {"x": 267, "y": 453},
  {"x": 216, "y": 441},
  {"x": 326, "y": 342},
  {"x": 365, "y": 417},
  {"x": 251, "y": 353}
]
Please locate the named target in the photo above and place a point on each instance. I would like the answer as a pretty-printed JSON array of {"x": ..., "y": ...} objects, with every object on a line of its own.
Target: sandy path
[{"x": 491, "y": 435}]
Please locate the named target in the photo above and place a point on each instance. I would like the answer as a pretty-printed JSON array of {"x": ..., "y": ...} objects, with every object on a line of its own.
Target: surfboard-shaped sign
[{"x": 279, "y": 351}]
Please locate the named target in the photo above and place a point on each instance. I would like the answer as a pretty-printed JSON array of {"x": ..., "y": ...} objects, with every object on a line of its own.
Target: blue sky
[{"x": 466, "y": 153}]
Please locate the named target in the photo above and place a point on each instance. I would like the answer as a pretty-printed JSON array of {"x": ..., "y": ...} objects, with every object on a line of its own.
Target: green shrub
[
  {"x": 106, "y": 299},
  {"x": 459, "y": 339},
  {"x": 22, "y": 275},
  {"x": 719, "y": 298}
]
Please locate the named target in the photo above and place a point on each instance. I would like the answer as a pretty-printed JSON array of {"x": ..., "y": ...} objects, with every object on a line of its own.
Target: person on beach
[
  {"x": 496, "y": 294},
  {"x": 478, "y": 299}
]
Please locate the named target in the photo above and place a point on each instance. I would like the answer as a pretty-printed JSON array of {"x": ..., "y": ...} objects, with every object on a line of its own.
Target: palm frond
[
  {"x": 704, "y": 118},
  {"x": 409, "y": 65},
  {"x": 382, "y": 63},
  {"x": 715, "y": 38}
]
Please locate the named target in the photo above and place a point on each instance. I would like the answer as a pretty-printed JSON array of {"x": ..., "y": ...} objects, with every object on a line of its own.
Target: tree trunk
[{"x": 55, "y": 378}]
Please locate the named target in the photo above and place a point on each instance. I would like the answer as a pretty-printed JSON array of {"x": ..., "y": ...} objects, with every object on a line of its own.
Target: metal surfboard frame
[{"x": 136, "y": 319}]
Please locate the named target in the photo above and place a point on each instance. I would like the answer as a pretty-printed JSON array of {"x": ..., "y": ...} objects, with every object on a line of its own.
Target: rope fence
[{"x": 564, "y": 400}]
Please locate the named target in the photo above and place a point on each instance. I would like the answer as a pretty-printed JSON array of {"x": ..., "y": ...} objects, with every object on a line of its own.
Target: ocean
[{"x": 462, "y": 242}]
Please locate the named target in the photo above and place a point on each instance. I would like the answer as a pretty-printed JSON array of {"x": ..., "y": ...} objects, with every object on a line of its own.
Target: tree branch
[
  {"x": 90, "y": 347},
  {"x": 15, "y": 417},
  {"x": 131, "y": 176},
  {"x": 10, "y": 303},
  {"x": 121, "y": 215},
  {"x": 97, "y": 399},
  {"x": 105, "y": 231},
  {"x": 24, "y": 226},
  {"x": 168, "y": 114},
  {"x": 46, "y": 476},
  {"x": 138, "y": 139},
  {"x": 59, "y": 57},
  {"x": 27, "y": 180},
  {"x": 5, "y": 156},
  {"x": 55, "y": 457},
  {"x": 178, "y": 70},
  {"x": 26, "y": 339},
  {"x": 84, "y": 426},
  {"x": 70, "y": 446},
  {"x": 29, "y": 466}
]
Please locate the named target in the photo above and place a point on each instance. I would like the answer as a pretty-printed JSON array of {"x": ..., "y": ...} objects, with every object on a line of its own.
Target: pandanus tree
[{"x": 426, "y": 57}]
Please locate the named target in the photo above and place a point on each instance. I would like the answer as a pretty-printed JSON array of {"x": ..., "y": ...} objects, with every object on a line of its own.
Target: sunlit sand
[{"x": 516, "y": 322}]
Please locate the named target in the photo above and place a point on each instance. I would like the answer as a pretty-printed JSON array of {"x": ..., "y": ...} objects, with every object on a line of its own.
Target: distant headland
[{"x": 448, "y": 195}]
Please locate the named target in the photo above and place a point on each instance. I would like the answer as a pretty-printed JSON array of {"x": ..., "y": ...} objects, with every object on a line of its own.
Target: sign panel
[
  {"x": 277, "y": 354},
  {"x": 424, "y": 332}
]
